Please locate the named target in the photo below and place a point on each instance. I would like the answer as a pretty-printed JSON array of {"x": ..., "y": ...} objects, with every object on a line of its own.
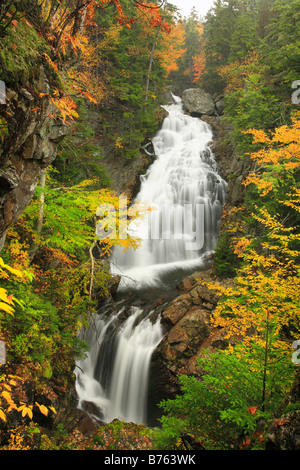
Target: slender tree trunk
[
  {"x": 79, "y": 22},
  {"x": 92, "y": 270},
  {"x": 40, "y": 219},
  {"x": 265, "y": 363},
  {"x": 150, "y": 65},
  {"x": 39, "y": 225}
]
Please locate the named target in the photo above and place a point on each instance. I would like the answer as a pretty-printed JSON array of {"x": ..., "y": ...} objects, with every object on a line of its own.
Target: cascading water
[
  {"x": 187, "y": 195},
  {"x": 114, "y": 375}
]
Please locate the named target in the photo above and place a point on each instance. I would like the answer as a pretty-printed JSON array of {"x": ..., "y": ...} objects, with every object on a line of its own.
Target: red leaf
[
  {"x": 280, "y": 422},
  {"x": 252, "y": 410}
]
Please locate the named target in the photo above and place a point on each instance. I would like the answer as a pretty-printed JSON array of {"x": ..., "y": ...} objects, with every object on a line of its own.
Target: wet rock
[
  {"x": 177, "y": 309},
  {"x": 219, "y": 104},
  {"x": 188, "y": 334},
  {"x": 72, "y": 417},
  {"x": 187, "y": 319}
]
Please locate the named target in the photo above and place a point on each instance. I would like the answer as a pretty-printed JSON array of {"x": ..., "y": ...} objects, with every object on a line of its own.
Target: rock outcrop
[
  {"x": 29, "y": 146},
  {"x": 187, "y": 319}
]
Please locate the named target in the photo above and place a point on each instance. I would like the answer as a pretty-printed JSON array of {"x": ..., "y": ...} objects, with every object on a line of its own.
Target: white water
[
  {"x": 183, "y": 180},
  {"x": 114, "y": 375},
  {"x": 187, "y": 195}
]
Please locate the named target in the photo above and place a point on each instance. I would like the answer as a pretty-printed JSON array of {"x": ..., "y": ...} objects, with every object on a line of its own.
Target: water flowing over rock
[
  {"x": 125, "y": 373},
  {"x": 186, "y": 195},
  {"x": 114, "y": 376}
]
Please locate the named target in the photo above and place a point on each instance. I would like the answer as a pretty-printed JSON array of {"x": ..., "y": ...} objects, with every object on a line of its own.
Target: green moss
[
  {"x": 291, "y": 407},
  {"x": 21, "y": 54}
]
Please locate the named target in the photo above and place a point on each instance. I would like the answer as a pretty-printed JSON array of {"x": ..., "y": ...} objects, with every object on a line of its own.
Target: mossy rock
[
  {"x": 23, "y": 51},
  {"x": 123, "y": 436}
]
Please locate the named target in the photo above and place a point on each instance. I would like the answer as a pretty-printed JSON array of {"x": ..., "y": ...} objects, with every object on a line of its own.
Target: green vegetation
[
  {"x": 231, "y": 404},
  {"x": 19, "y": 58}
]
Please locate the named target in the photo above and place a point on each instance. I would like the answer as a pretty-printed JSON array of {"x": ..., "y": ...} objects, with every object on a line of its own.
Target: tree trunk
[
  {"x": 39, "y": 222},
  {"x": 80, "y": 19},
  {"x": 150, "y": 65}
]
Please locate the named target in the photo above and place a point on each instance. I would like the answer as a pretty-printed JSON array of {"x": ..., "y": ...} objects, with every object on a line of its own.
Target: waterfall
[
  {"x": 186, "y": 195},
  {"x": 114, "y": 375}
]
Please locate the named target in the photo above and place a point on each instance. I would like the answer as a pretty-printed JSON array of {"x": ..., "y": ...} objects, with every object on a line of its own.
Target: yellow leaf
[
  {"x": 27, "y": 411},
  {"x": 43, "y": 410},
  {"x": 7, "y": 396},
  {"x": 2, "y": 415},
  {"x": 17, "y": 272},
  {"x": 6, "y": 308}
]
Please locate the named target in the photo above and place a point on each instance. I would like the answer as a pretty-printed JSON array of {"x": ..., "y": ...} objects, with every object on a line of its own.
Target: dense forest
[{"x": 93, "y": 75}]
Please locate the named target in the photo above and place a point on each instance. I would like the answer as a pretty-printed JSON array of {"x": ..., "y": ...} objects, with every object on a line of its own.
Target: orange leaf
[
  {"x": 280, "y": 422},
  {"x": 252, "y": 410}
]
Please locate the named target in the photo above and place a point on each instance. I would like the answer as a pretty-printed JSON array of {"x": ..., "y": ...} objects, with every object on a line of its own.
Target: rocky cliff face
[
  {"x": 29, "y": 146},
  {"x": 189, "y": 330}
]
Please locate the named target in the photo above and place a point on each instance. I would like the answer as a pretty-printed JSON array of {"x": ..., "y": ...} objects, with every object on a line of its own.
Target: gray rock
[
  {"x": 198, "y": 103},
  {"x": 29, "y": 146}
]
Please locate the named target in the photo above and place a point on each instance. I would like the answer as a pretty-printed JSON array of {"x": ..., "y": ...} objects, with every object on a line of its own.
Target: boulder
[{"x": 198, "y": 103}]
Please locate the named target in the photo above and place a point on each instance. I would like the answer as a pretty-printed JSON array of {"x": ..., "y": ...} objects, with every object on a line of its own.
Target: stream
[{"x": 178, "y": 236}]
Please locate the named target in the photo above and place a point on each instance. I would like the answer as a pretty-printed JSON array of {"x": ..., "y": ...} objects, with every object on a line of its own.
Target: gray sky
[{"x": 202, "y": 6}]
